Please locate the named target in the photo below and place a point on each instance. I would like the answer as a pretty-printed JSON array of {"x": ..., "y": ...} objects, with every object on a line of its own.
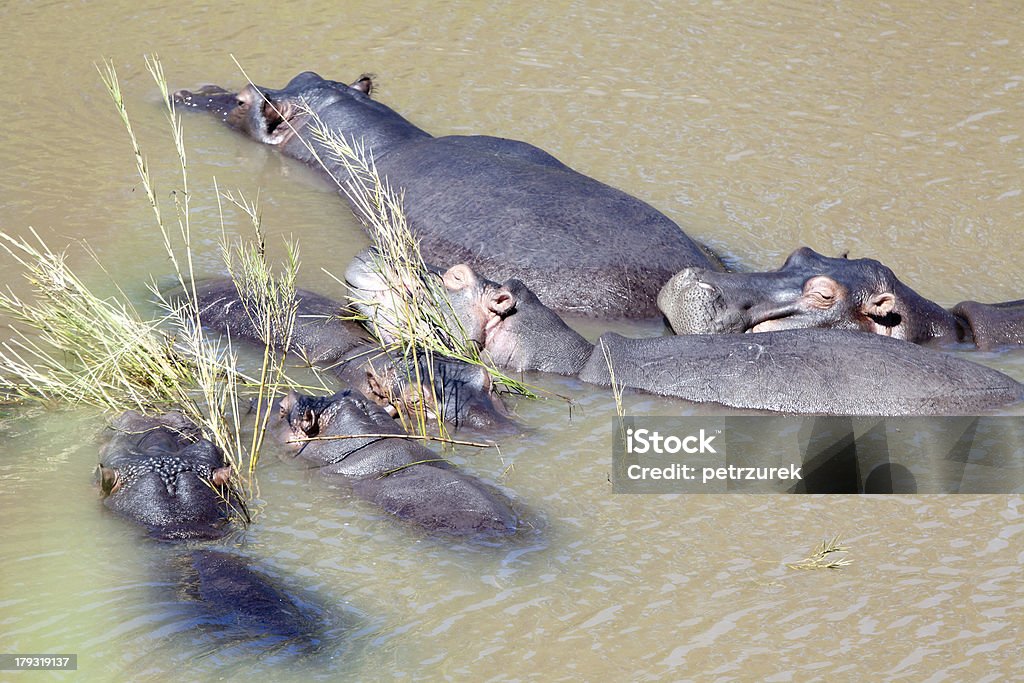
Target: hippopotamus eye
[{"x": 822, "y": 289}]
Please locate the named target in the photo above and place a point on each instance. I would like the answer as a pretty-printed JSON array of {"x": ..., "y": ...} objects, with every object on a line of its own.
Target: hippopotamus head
[
  {"x": 809, "y": 290},
  {"x": 284, "y": 118},
  {"x": 507, "y": 321},
  {"x": 449, "y": 389},
  {"x": 477, "y": 303},
  {"x": 161, "y": 473},
  {"x": 301, "y": 416},
  {"x": 268, "y": 115}
]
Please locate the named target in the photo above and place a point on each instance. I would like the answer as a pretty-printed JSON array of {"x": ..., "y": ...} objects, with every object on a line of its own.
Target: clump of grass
[
  {"x": 269, "y": 300},
  {"x": 824, "y": 556},
  {"x": 270, "y": 303},
  {"x": 75, "y": 347}
]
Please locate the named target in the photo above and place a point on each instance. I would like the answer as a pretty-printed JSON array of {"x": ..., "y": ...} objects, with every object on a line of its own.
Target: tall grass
[{"x": 73, "y": 346}]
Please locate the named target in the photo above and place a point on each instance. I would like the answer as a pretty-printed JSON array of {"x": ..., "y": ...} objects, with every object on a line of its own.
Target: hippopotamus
[
  {"x": 325, "y": 336},
  {"x": 816, "y": 371},
  {"x": 399, "y": 475},
  {"x": 160, "y": 473},
  {"x": 811, "y": 290},
  {"x": 502, "y": 206}
]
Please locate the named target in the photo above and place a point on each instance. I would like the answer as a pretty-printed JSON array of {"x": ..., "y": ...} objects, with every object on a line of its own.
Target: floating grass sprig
[{"x": 824, "y": 556}]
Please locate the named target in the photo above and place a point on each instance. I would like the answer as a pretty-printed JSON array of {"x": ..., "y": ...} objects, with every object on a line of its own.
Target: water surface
[{"x": 885, "y": 130}]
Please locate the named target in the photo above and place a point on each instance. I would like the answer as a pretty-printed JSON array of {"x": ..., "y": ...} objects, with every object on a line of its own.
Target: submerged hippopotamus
[
  {"x": 811, "y": 290},
  {"x": 325, "y": 336},
  {"x": 825, "y": 372},
  {"x": 160, "y": 473},
  {"x": 505, "y": 207},
  {"x": 399, "y": 475}
]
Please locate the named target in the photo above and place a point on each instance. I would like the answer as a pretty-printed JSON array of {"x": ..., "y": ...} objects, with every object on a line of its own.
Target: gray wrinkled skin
[
  {"x": 811, "y": 290},
  {"x": 993, "y": 325},
  {"x": 809, "y": 372},
  {"x": 693, "y": 307}
]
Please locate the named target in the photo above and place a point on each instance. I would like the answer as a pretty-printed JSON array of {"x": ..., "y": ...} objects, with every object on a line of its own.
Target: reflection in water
[{"x": 888, "y": 131}]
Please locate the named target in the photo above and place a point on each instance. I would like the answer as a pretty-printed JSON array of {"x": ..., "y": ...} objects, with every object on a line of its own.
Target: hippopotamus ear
[
  {"x": 364, "y": 84},
  {"x": 109, "y": 479},
  {"x": 880, "y": 305},
  {"x": 276, "y": 116},
  {"x": 500, "y": 301},
  {"x": 221, "y": 476},
  {"x": 309, "y": 424}
]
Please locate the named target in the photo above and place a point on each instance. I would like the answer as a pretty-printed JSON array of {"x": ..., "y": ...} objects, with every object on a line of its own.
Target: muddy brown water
[{"x": 886, "y": 130}]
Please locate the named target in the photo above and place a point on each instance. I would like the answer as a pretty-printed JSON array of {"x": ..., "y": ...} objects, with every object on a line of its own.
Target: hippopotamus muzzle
[
  {"x": 160, "y": 473},
  {"x": 211, "y": 98}
]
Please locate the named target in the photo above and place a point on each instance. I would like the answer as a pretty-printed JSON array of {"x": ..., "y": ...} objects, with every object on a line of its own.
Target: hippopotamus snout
[
  {"x": 701, "y": 301},
  {"x": 247, "y": 110},
  {"x": 696, "y": 305},
  {"x": 172, "y": 507}
]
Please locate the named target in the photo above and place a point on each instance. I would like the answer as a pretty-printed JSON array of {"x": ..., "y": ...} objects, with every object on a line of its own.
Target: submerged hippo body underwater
[
  {"x": 504, "y": 207},
  {"x": 160, "y": 473}
]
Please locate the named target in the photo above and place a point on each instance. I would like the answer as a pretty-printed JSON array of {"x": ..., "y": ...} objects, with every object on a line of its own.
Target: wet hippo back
[
  {"x": 829, "y": 372},
  {"x": 511, "y": 210},
  {"x": 323, "y": 333}
]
